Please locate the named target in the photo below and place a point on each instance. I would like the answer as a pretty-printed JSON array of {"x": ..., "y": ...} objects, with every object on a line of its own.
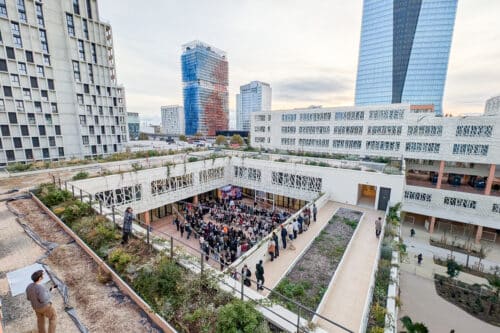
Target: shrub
[
  {"x": 192, "y": 159},
  {"x": 19, "y": 167},
  {"x": 386, "y": 252},
  {"x": 238, "y": 316},
  {"x": 97, "y": 232},
  {"x": 120, "y": 259},
  {"x": 352, "y": 223},
  {"x": 81, "y": 175},
  {"x": 378, "y": 312},
  {"x": 72, "y": 210},
  {"x": 52, "y": 196},
  {"x": 136, "y": 166}
]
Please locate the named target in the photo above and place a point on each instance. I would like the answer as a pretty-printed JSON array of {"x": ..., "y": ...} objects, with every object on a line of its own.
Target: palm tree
[{"x": 412, "y": 327}]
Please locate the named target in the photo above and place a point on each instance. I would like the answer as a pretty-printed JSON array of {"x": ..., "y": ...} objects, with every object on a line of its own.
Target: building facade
[
  {"x": 404, "y": 51},
  {"x": 172, "y": 119},
  {"x": 253, "y": 97},
  {"x": 450, "y": 163},
  {"x": 492, "y": 106},
  {"x": 59, "y": 96},
  {"x": 133, "y": 123},
  {"x": 205, "y": 81}
]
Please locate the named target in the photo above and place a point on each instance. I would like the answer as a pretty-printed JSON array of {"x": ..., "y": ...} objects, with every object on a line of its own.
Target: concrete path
[
  {"x": 346, "y": 300},
  {"x": 421, "y": 302}
]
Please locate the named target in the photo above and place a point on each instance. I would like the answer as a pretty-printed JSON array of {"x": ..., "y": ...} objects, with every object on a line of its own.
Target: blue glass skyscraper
[
  {"x": 205, "y": 81},
  {"x": 404, "y": 51}
]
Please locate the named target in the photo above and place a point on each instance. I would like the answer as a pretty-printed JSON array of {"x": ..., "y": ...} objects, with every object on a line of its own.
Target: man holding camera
[{"x": 40, "y": 299}]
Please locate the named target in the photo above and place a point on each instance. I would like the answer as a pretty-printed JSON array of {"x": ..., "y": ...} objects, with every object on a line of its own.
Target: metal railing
[{"x": 197, "y": 260}]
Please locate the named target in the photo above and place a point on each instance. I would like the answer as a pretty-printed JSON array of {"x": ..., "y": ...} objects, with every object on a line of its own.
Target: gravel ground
[{"x": 101, "y": 307}]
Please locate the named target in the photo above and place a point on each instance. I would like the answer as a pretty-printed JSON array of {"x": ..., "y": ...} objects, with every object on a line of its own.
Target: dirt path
[{"x": 101, "y": 307}]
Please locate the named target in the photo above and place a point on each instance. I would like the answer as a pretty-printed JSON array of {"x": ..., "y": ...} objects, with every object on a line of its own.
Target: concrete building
[
  {"x": 205, "y": 81},
  {"x": 451, "y": 180},
  {"x": 60, "y": 97},
  {"x": 253, "y": 97},
  {"x": 404, "y": 51},
  {"x": 172, "y": 119},
  {"x": 492, "y": 106},
  {"x": 133, "y": 125}
]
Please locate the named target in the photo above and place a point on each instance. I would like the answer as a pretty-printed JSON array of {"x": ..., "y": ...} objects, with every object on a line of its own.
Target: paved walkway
[
  {"x": 346, "y": 300},
  {"x": 421, "y": 302}
]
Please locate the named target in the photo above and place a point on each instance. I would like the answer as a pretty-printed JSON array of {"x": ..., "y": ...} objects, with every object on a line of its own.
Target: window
[
  {"x": 103, "y": 130},
  {"x": 94, "y": 99},
  {"x": 10, "y": 155},
  {"x": 101, "y": 113},
  {"x": 39, "y": 14},
  {"x": 12, "y": 118},
  {"x": 16, "y": 34},
  {"x": 2, "y": 105},
  {"x": 85, "y": 139},
  {"x": 43, "y": 41},
  {"x": 5, "y": 130},
  {"x": 19, "y": 105},
  {"x": 418, "y": 196},
  {"x": 81, "y": 50},
  {"x": 346, "y": 144},
  {"x": 40, "y": 71},
  {"x": 477, "y": 131},
  {"x": 314, "y": 129},
  {"x": 386, "y": 114},
  {"x": 423, "y": 147},
  {"x": 24, "y": 130},
  {"x": 350, "y": 115},
  {"x": 60, "y": 150},
  {"x": 29, "y": 56},
  {"x": 96, "y": 120},
  {"x": 10, "y": 53},
  {"x": 48, "y": 119},
  {"x": 14, "y": 78},
  {"x": 57, "y": 129},
  {"x": 41, "y": 130},
  {"x": 382, "y": 145},
  {"x": 88, "y": 108},
  {"x": 323, "y": 116},
  {"x": 38, "y": 107},
  {"x": 76, "y": 7},
  {"x": 83, "y": 120},
  {"x": 495, "y": 208},
  {"x": 3, "y": 8},
  {"x": 70, "y": 24},
  {"x": 7, "y": 91},
  {"x": 314, "y": 142},
  {"x": 35, "y": 142},
  {"x": 45, "y": 153},
  {"x": 91, "y": 73},
  {"x": 21, "y": 9},
  {"x": 86, "y": 88},
  {"x": 470, "y": 149},
  {"x": 85, "y": 28},
  {"x": 300, "y": 182},
  {"x": 50, "y": 84},
  {"x": 26, "y": 93},
  {"x": 76, "y": 70},
  {"x": 34, "y": 82},
  {"x": 91, "y": 130},
  {"x": 285, "y": 117},
  {"x": 22, "y": 68},
  {"x": 425, "y": 130},
  {"x": 89, "y": 9},
  {"x": 3, "y": 65},
  {"x": 79, "y": 98},
  {"x": 287, "y": 142},
  {"x": 349, "y": 130},
  {"x": 53, "y": 107},
  {"x": 29, "y": 154},
  {"x": 458, "y": 202},
  {"x": 46, "y": 59},
  {"x": 52, "y": 141},
  {"x": 93, "y": 53},
  {"x": 384, "y": 130},
  {"x": 45, "y": 95},
  {"x": 31, "y": 119},
  {"x": 98, "y": 89},
  {"x": 17, "y": 143}
]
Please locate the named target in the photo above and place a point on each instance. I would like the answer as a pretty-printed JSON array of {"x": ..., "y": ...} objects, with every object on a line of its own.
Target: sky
[{"x": 306, "y": 49}]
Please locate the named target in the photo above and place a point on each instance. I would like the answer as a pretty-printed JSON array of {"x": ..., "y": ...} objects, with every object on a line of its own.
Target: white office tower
[
  {"x": 492, "y": 106},
  {"x": 172, "y": 119},
  {"x": 253, "y": 97},
  {"x": 59, "y": 97}
]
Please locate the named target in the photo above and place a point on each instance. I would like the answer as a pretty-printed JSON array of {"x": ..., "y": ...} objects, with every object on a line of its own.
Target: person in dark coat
[
  {"x": 181, "y": 228},
  {"x": 128, "y": 218},
  {"x": 176, "y": 222},
  {"x": 284, "y": 233},
  {"x": 259, "y": 274},
  {"x": 315, "y": 212},
  {"x": 276, "y": 245}
]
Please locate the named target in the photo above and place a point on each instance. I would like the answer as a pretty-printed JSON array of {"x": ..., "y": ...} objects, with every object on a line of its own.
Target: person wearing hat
[{"x": 40, "y": 300}]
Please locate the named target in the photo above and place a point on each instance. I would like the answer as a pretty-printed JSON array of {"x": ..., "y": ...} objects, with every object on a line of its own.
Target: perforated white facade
[{"x": 172, "y": 120}]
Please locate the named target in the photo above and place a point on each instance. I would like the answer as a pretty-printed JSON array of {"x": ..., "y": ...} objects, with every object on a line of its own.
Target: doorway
[{"x": 367, "y": 195}]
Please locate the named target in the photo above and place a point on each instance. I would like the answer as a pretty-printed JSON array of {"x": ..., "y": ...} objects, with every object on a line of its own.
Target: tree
[
  {"x": 182, "y": 137},
  {"x": 452, "y": 268},
  {"x": 220, "y": 140},
  {"x": 143, "y": 136},
  {"x": 198, "y": 135},
  {"x": 412, "y": 327},
  {"x": 239, "y": 316},
  {"x": 237, "y": 139},
  {"x": 494, "y": 283}
]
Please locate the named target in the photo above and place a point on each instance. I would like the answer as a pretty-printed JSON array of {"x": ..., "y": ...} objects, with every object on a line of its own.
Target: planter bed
[
  {"x": 308, "y": 280},
  {"x": 190, "y": 302},
  {"x": 482, "y": 304}
]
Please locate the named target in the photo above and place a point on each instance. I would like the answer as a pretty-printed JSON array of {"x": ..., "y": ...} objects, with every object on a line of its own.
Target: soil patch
[
  {"x": 308, "y": 280},
  {"x": 481, "y": 303}
]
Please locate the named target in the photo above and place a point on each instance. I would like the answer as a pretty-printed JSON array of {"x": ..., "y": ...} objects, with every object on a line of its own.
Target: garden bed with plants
[
  {"x": 190, "y": 302},
  {"x": 480, "y": 302},
  {"x": 308, "y": 280}
]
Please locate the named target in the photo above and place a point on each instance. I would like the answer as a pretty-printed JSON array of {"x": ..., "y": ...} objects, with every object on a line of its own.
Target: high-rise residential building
[
  {"x": 59, "y": 96},
  {"x": 253, "y": 97},
  {"x": 404, "y": 51},
  {"x": 133, "y": 125},
  {"x": 205, "y": 81},
  {"x": 172, "y": 119}
]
